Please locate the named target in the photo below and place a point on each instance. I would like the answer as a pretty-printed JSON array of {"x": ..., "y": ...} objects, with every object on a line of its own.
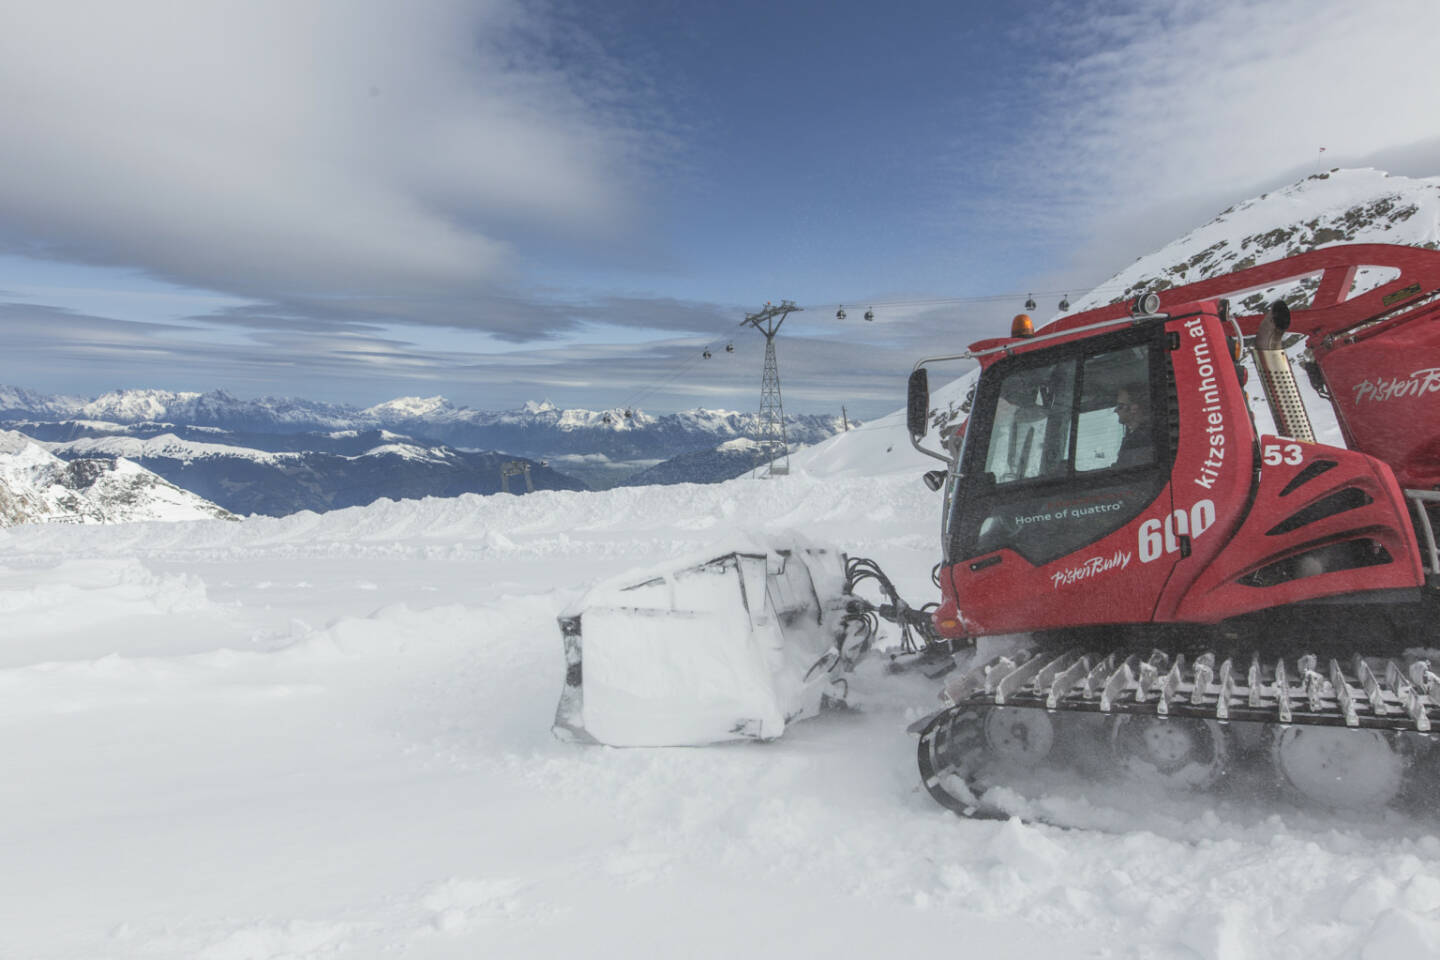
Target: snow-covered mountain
[
  {"x": 329, "y": 471},
  {"x": 38, "y": 487},
  {"x": 1340, "y": 206},
  {"x": 37, "y": 404},
  {"x": 216, "y": 408},
  {"x": 726, "y": 461}
]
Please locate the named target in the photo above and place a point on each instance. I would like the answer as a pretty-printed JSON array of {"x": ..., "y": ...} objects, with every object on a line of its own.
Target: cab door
[{"x": 1054, "y": 486}]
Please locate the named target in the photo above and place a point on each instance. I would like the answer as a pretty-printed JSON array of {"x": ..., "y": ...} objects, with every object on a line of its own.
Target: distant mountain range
[
  {"x": 535, "y": 430},
  {"x": 276, "y": 456}
]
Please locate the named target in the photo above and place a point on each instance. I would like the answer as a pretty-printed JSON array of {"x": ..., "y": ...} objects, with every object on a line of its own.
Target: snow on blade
[{"x": 714, "y": 648}]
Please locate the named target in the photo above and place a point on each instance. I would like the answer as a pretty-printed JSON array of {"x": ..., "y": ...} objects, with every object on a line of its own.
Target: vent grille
[
  {"x": 1346, "y": 555},
  {"x": 1350, "y": 498},
  {"x": 1306, "y": 475}
]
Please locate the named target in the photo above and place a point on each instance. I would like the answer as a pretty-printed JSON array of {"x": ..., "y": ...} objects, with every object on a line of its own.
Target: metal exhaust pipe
[{"x": 1278, "y": 377}]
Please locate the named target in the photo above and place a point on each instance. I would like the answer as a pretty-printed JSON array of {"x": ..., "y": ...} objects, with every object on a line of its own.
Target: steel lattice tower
[{"x": 770, "y": 431}]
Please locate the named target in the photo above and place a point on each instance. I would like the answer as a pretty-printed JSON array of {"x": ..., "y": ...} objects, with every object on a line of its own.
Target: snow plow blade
[{"x": 719, "y": 648}]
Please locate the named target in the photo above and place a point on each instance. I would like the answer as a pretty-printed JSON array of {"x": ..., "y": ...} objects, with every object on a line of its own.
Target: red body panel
[
  {"x": 1110, "y": 585},
  {"x": 1385, "y": 388},
  {"x": 1207, "y": 588},
  {"x": 1235, "y": 507}
]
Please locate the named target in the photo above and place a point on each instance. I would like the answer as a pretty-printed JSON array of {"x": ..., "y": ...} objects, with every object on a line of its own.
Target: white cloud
[
  {"x": 288, "y": 151},
  {"x": 74, "y": 353},
  {"x": 1159, "y": 115}
]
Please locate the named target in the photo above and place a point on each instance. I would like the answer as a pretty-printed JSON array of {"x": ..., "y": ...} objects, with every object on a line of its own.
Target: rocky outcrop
[{"x": 38, "y": 487}]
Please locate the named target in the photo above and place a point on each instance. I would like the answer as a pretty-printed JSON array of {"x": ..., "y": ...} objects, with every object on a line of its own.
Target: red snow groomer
[{"x": 1202, "y": 604}]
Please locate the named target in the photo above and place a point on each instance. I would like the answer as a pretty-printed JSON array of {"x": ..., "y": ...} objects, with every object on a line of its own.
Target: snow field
[{"x": 328, "y": 736}]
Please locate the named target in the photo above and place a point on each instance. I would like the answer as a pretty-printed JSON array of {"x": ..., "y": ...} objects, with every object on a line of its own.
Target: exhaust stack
[{"x": 1277, "y": 376}]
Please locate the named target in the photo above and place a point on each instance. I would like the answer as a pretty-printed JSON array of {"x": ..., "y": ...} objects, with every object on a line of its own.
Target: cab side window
[{"x": 1116, "y": 418}]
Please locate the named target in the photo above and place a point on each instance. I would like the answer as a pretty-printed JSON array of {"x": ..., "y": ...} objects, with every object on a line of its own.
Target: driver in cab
[{"x": 1138, "y": 447}]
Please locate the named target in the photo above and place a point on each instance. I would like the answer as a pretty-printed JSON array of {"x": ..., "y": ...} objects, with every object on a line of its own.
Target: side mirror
[{"x": 917, "y": 404}]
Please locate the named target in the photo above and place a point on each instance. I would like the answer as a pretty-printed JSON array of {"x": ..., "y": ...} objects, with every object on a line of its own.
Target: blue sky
[{"x": 356, "y": 200}]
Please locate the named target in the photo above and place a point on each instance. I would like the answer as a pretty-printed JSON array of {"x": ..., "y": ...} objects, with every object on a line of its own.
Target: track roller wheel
[
  {"x": 1179, "y": 751},
  {"x": 1339, "y": 767},
  {"x": 1019, "y": 736}
]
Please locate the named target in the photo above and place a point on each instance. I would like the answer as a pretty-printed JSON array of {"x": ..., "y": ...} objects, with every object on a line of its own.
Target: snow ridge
[{"x": 1326, "y": 209}]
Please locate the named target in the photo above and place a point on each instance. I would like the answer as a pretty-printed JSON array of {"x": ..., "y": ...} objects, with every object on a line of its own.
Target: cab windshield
[{"x": 1072, "y": 450}]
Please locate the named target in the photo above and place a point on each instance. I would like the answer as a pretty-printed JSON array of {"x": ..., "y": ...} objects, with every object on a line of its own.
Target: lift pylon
[{"x": 770, "y": 431}]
